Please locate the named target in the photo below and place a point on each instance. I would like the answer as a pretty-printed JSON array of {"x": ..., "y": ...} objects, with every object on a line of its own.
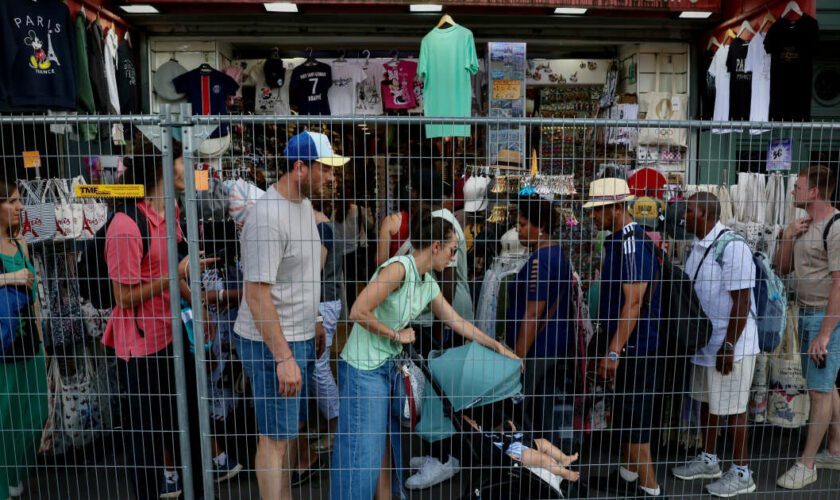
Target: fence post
[
  {"x": 191, "y": 140},
  {"x": 175, "y": 302}
]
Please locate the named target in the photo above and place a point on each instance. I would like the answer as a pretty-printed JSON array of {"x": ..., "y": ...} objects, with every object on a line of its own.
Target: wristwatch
[
  {"x": 613, "y": 356},
  {"x": 319, "y": 319},
  {"x": 727, "y": 347}
]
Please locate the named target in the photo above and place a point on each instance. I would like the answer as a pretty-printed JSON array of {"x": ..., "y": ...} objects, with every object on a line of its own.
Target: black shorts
[{"x": 636, "y": 383}]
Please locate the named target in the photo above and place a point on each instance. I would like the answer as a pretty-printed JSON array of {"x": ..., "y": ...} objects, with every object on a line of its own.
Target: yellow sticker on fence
[
  {"x": 202, "y": 180},
  {"x": 110, "y": 191},
  {"x": 31, "y": 159}
]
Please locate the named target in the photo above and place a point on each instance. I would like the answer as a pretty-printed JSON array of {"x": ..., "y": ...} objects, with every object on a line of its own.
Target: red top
[
  {"x": 126, "y": 265},
  {"x": 398, "y": 239}
]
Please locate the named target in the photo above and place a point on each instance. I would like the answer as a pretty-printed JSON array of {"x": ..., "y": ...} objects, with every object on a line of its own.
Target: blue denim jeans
[
  {"x": 369, "y": 411},
  {"x": 819, "y": 379}
]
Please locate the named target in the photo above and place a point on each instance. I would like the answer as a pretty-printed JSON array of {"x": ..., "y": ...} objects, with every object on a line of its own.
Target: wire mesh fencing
[{"x": 323, "y": 307}]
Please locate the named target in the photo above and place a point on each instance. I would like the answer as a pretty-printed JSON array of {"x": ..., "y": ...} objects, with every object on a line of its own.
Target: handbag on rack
[
  {"x": 94, "y": 212},
  {"x": 788, "y": 403},
  {"x": 38, "y": 217},
  {"x": 68, "y": 215},
  {"x": 662, "y": 105}
]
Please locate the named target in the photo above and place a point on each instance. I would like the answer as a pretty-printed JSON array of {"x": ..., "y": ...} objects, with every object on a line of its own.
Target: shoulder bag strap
[
  {"x": 827, "y": 229},
  {"x": 706, "y": 254}
]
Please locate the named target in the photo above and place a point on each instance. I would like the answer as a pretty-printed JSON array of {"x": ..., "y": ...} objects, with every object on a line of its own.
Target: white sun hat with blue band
[
  {"x": 607, "y": 192},
  {"x": 312, "y": 146}
]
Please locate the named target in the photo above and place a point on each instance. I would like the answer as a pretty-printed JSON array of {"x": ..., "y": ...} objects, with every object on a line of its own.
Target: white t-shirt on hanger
[
  {"x": 758, "y": 62},
  {"x": 268, "y": 100},
  {"x": 368, "y": 93},
  {"x": 718, "y": 70},
  {"x": 342, "y": 94}
]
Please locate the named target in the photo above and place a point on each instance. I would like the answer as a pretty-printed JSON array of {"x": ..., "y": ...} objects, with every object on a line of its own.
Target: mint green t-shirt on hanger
[{"x": 447, "y": 60}]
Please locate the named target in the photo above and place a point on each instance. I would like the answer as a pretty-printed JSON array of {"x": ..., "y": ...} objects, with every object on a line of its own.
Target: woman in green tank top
[
  {"x": 366, "y": 454},
  {"x": 23, "y": 373}
]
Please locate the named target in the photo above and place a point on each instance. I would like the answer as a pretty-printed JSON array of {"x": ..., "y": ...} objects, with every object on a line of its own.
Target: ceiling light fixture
[
  {"x": 695, "y": 14},
  {"x": 575, "y": 11},
  {"x": 280, "y": 7},
  {"x": 141, "y": 8},
  {"x": 425, "y": 7}
]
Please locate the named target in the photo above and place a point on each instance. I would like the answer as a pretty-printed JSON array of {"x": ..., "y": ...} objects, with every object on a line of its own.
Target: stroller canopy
[{"x": 470, "y": 376}]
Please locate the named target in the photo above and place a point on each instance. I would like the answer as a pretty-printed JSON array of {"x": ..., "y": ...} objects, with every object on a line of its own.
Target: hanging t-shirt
[
  {"x": 740, "y": 81},
  {"x": 758, "y": 63},
  {"x": 37, "y": 60},
  {"x": 721, "y": 76},
  {"x": 447, "y": 59},
  {"x": 398, "y": 85},
  {"x": 310, "y": 83},
  {"x": 707, "y": 87},
  {"x": 267, "y": 100},
  {"x": 96, "y": 66},
  {"x": 791, "y": 45},
  {"x": 368, "y": 96},
  {"x": 342, "y": 94},
  {"x": 207, "y": 90},
  {"x": 127, "y": 80}
]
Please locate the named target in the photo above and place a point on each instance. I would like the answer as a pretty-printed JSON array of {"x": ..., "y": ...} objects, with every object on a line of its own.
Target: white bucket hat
[{"x": 608, "y": 192}]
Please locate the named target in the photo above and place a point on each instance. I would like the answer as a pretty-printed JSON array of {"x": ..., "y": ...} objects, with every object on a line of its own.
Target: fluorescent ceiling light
[
  {"x": 570, "y": 10},
  {"x": 695, "y": 14},
  {"x": 280, "y": 7},
  {"x": 142, "y": 8},
  {"x": 425, "y": 7}
]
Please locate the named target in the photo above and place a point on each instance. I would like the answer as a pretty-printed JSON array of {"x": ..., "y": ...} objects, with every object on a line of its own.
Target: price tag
[
  {"x": 202, "y": 180},
  {"x": 31, "y": 159},
  {"x": 675, "y": 104}
]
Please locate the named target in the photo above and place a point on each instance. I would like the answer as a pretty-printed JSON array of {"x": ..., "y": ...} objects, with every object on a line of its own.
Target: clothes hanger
[
  {"x": 275, "y": 53},
  {"x": 205, "y": 66},
  {"x": 309, "y": 60},
  {"x": 366, "y": 53},
  {"x": 395, "y": 58},
  {"x": 730, "y": 34},
  {"x": 768, "y": 18},
  {"x": 712, "y": 43},
  {"x": 341, "y": 54},
  {"x": 745, "y": 26},
  {"x": 792, "y": 6},
  {"x": 446, "y": 19}
]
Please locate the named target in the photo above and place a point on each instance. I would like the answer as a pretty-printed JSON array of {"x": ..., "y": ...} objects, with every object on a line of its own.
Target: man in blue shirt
[{"x": 629, "y": 315}]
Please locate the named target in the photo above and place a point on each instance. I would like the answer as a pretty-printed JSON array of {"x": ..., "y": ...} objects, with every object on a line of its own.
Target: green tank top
[{"x": 367, "y": 351}]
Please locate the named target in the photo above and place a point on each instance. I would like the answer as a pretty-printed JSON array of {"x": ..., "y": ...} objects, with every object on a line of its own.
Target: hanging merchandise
[
  {"x": 164, "y": 79},
  {"x": 398, "y": 84},
  {"x": 707, "y": 83},
  {"x": 85, "y": 102},
  {"x": 96, "y": 65},
  {"x": 758, "y": 64},
  {"x": 740, "y": 80},
  {"x": 788, "y": 403},
  {"x": 207, "y": 89},
  {"x": 61, "y": 306},
  {"x": 447, "y": 59},
  {"x": 269, "y": 99},
  {"x": 627, "y": 136},
  {"x": 94, "y": 212},
  {"x": 37, "y": 62},
  {"x": 127, "y": 87},
  {"x": 368, "y": 93},
  {"x": 791, "y": 45},
  {"x": 310, "y": 84},
  {"x": 68, "y": 215},
  {"x": 38, "y": 218},
  {"x": 242, "y": 195},
  {"x": 718, "y": 71},
  {"x": 346, "y": 76},
  {"x": 660, "y": 105},
  {"x": 111, "y": 46}
]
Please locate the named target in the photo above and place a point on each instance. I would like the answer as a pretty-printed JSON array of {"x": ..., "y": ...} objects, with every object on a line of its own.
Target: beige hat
[
  {"x": 607, "y": 192},
  {"x": 509, "y": 158}
]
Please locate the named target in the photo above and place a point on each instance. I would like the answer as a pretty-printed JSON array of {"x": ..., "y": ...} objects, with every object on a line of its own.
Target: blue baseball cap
[{"x": 312, "y": 146}]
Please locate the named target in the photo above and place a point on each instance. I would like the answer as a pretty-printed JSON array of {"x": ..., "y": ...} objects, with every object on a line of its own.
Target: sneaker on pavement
[
  {"x": 16, "y": 490},
  {"x": 229, "y": 470},
  {"x": 797, "y": 477},
  {"x": 640, "y": 493},
  {"x": 823, "y": 460},
  {"x": 433, "y": 472},
  {"x": 417, "y": 463},
  {"x": 697, "y": 468},
  {"x": 731, "y": 484},
  {"x": 170, "y": 489},
  {"x": 614, "y": 483}
]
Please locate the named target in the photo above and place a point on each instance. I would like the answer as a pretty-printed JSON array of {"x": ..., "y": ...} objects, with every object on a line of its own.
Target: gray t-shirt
[
  {"x": 332, "y": 276},
  {"x": 281, "y": 246}
]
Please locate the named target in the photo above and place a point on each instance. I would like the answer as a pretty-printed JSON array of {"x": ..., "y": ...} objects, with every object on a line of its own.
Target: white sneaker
[
  {"x": 797, "y": 477},
  {"x": 433, "y": 472},
  {"x": 418, "y": 462},
  {"x": 16, "y": 490},
  {"x": 823, "y": 460}
]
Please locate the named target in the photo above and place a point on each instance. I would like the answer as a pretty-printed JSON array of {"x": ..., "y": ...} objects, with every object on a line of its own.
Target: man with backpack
[
  {"x": 629, "y": 312},
  {"x": 723, "y": 275},
  {"x": 810, "y": 249}
]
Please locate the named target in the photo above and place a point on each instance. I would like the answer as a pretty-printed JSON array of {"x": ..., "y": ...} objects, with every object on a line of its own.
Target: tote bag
[
  {"x": 94, "y": 212},
  {"x": 68, "y": 215},
  {"x": 788, "y": 404},
  {"x": 38, "y": 217},
  {"x": 664, "y": 106}
]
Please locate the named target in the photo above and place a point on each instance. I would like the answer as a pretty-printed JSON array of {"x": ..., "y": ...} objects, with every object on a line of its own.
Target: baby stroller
[{"x": 485, "y": 385}]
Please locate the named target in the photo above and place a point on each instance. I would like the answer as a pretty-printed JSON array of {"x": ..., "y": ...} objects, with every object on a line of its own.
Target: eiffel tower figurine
[{"x": 50, "y": 52}]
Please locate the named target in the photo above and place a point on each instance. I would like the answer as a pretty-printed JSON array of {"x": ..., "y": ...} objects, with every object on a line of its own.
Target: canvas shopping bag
[
  {"x": 94, "y": 212},
  {"x": 788, "y": 403},
  {"x": 38, "y": 217},
  {"x": 68, "y": 215},
  {"x": 662, "y": 105}
]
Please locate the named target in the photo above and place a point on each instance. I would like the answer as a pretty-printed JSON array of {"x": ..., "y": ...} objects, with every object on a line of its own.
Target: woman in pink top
[{"x": 140, "y": 328}]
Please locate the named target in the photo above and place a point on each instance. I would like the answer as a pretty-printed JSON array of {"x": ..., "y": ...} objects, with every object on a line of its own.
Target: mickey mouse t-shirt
[
  {"x": 207, "y": 90},
  {"x": 309, "y": 86}
]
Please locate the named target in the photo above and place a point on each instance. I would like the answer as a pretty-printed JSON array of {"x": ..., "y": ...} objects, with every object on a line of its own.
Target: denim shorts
[
  {"x": 819, "y": 379},
  {"x": 278, "y": 417}
]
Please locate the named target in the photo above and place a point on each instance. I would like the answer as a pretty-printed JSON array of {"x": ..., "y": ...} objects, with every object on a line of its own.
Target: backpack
[
  {"x": 769, "y": 292},
  {"x": 94, "y": 282},
  {"x": 687, "y": 327},
  {"x": 827, "y": 229}
]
